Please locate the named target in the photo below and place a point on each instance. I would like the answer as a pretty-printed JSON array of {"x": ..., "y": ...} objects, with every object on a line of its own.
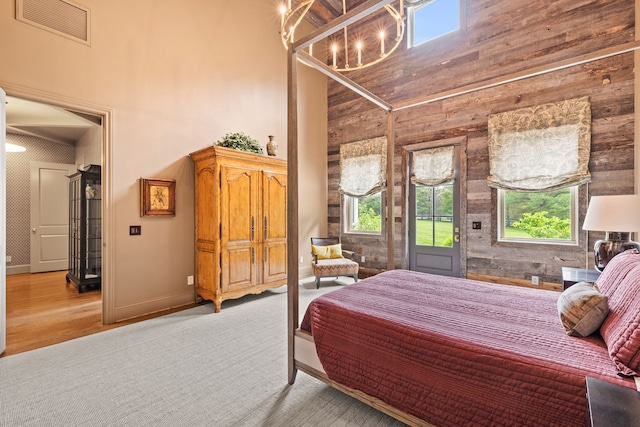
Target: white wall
[
  {"x": 178, "y": 76},
  {"x": 312, "y": 174}
]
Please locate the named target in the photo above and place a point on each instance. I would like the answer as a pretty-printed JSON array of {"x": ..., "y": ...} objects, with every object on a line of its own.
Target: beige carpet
[{"x": 191, "y": 368}]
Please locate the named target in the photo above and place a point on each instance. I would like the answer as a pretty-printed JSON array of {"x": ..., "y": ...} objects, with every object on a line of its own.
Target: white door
[
  {"x": 50, "y": 216},
  {"x": 3, "y": 224}
]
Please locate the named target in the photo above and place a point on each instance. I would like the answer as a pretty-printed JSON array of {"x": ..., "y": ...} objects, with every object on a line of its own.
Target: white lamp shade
[{"x": 619, "y": 213}]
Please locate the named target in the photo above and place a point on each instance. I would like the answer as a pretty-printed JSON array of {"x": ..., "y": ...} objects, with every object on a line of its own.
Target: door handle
[
  {"x": 33, "y": 230},
  {"x": 456, "y": 238}
]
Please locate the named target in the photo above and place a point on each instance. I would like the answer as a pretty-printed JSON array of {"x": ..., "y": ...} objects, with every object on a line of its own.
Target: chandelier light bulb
[
  {"x": 381, "y": 43},
  {"x": 283, "y": 12},
  {"x": 334, "y": 48}
]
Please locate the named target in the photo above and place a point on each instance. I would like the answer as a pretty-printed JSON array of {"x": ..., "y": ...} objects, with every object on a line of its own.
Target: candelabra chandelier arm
[{"x": 364, "y": 51}]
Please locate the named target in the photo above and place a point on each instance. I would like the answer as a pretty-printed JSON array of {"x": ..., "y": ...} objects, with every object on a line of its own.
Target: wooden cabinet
[{"x": 241, "y": 222}]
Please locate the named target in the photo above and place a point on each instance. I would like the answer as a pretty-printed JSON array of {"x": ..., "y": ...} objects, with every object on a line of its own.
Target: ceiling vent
[{"x": 57, "y": 16}]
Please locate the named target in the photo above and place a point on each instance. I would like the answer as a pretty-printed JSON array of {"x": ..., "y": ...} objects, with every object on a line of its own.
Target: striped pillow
[{"x": 582, "y": 309}]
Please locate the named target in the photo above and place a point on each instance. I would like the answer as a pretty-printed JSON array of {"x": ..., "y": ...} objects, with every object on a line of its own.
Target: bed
[
  {"x": 467, "y": 353},
  {"x": 435, "y": 350}
]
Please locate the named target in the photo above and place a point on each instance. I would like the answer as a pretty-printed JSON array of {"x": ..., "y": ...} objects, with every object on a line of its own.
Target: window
[
  {"x": 431, "y": 20},
  {"x": 363, "y": 176},
  {"x": 434, "y": 216},
  {"x": 540, "y": 217},
  {"x": 363, "y": 214}
]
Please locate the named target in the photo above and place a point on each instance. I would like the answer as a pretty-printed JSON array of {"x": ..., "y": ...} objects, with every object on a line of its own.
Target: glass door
[{"x": 434, "y": 228}]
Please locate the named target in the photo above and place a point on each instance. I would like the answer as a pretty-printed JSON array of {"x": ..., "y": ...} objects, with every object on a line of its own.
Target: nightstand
[
  {"x": 571, "y": 276},
  {"x": 612, "y": 404}
]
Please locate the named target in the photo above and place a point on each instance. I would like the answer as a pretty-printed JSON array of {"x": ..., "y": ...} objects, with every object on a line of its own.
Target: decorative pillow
[
  {"x": 327, "y": 252},
  {"x": 582, "y": 309},
  {"x": 621, "y": 329},
  {"x": 617, "y": 269}
]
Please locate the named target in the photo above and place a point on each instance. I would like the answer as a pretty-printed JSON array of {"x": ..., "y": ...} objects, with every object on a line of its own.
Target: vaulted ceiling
[{"x": 324, "y": 11}]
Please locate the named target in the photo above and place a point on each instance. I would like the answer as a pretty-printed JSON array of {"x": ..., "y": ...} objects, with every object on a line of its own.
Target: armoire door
[
  {"x": 274, "y": 212},
  {"x": 239, "y": 215}
]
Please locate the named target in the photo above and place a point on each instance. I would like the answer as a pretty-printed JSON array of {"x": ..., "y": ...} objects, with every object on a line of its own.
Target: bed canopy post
[
  {"x": 292, "y": 209},
  {"x": 391, "y": 220},
  {"x": 294, "y": 54}
]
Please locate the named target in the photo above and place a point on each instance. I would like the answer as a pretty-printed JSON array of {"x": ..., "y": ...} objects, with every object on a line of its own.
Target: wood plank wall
[{"x": 500, "y": 38}]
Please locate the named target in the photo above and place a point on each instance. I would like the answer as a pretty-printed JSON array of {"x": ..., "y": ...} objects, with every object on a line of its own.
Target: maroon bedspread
[{"x": 458, "y": 352}]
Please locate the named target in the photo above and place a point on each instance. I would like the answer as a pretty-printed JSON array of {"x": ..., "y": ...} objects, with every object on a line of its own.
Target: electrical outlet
[
  {"x": 476, "y": 225},
  {"x": 535, "y": 280},
  {"x": 135, "y": 230},
  {"x": 8, "y": 258},
  {"x": 189, "y": 280},
  {"x": 362, "y": 258}
]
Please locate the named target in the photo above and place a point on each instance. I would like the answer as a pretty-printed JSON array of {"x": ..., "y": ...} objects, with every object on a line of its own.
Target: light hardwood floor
[{"x": 43, "y": 310}]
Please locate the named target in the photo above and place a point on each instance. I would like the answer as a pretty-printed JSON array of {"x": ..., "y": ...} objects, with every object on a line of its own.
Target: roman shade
[
  {"x": 433, "y": 166},
  {"x": 363, "y": 167},
  {"x": 541, "y": 148}
]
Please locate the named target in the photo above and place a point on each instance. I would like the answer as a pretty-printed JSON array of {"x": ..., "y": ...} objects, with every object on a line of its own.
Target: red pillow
[{"x": 620, "y": 281}]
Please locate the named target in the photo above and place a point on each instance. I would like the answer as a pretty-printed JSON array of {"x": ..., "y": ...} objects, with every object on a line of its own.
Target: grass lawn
[
  {"x": 514, "y": 232},
  {"x": 444, "y": 233}
]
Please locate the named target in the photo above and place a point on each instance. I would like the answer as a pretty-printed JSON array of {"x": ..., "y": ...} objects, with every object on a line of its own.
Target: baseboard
[
  {"x": 149, "y": 307},
  {"x": 18, "y": 269},
  {"x": 304, "y": 272}
]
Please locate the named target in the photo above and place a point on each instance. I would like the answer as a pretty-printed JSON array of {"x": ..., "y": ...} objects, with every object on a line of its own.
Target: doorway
[
  {"x": 49, "y": 215},
  {"x": 86, "y": 112},
  {"x": 434, "y": 207}
]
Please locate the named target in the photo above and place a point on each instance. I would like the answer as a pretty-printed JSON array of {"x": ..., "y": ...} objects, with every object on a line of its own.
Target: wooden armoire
[{"x": 241, "y": 223}]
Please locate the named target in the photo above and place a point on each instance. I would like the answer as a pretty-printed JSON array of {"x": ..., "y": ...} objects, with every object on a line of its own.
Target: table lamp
[{"x": 618, "y": 216}]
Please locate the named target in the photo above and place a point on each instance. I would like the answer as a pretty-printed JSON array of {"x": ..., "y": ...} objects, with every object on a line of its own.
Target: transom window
[
  {"x": 539, "y": 217},
  {"x": 432, "y": 19}
]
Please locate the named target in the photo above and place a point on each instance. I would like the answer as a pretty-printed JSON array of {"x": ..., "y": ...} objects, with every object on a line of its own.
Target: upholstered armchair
[{"x": 329, "y": 260}]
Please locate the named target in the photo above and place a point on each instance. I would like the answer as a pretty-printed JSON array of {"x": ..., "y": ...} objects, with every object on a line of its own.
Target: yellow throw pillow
[
  {"x": 321, "y": 251},
  {"x": 327, "y": 252},
  {"x": 335, "y": 251}
]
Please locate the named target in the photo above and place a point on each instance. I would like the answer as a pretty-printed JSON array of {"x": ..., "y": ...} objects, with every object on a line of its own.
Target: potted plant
[{"x": 240, "y": 141}]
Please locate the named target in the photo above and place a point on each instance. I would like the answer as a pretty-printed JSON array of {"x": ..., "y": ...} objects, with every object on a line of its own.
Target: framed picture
[{"x": 157, "y": 197}]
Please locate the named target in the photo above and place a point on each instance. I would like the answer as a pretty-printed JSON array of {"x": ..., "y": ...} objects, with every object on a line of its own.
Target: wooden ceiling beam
[
  {"x": 340, "y": 22},
  {"x": 340, "y": 78}
]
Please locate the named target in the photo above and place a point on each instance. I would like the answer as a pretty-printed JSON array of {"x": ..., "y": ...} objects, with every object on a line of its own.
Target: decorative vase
[
  {"x": 272, "y": 146},
  {"x": 90, "y": 192}
]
